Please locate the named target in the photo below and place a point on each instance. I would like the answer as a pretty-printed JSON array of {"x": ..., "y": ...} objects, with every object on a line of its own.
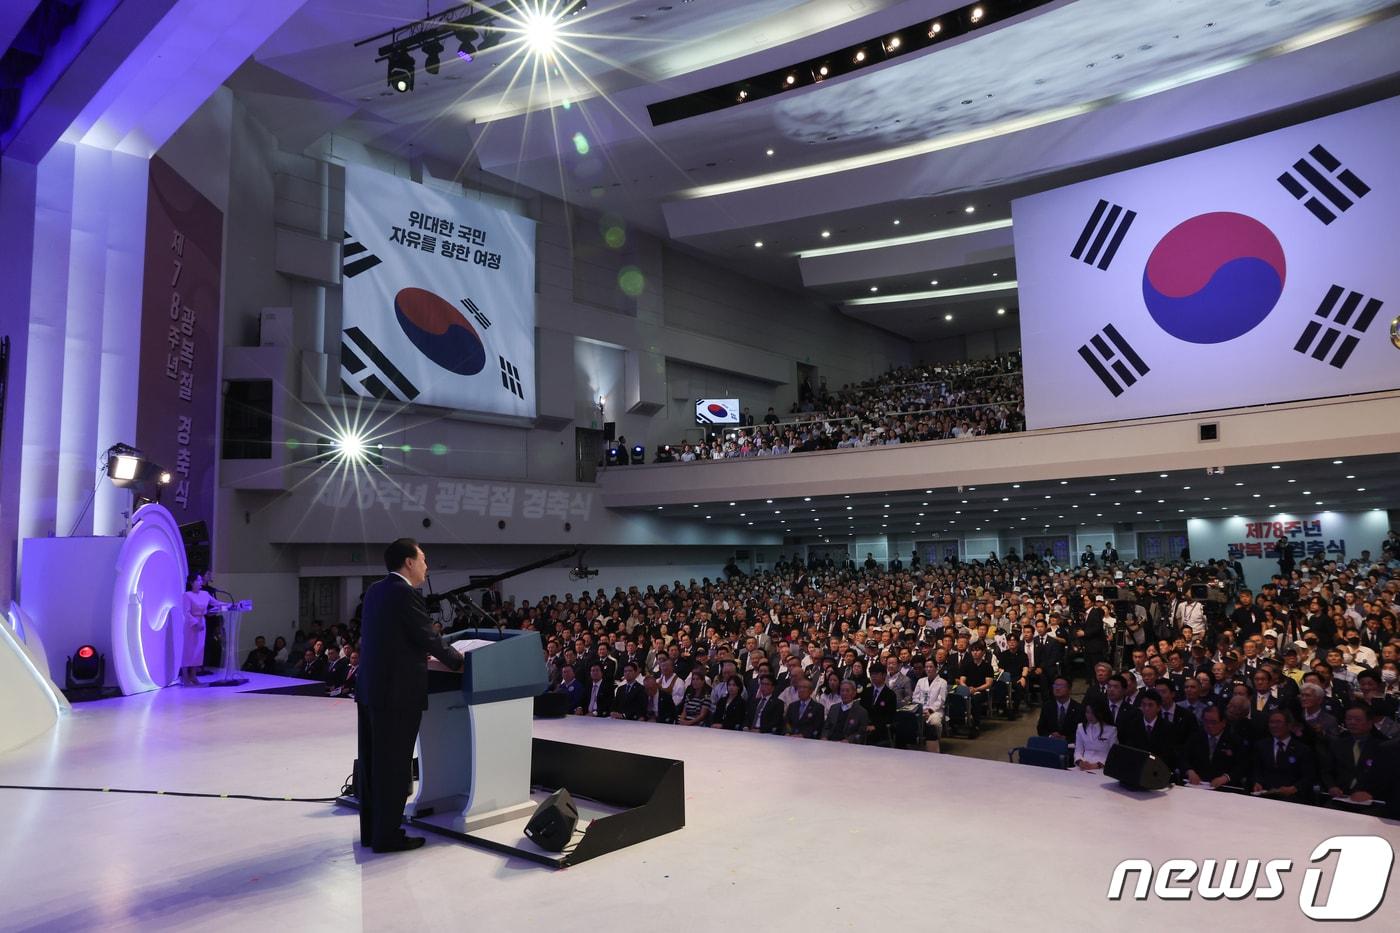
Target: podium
[
  {"x": 232, "y": 612},
  {"x": 475, "y": 741}
]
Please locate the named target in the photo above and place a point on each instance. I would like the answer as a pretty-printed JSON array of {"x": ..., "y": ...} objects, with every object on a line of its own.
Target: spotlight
[
  {"x": 350, "y": 446},
  {"x": 614, "y": 457},
  {"x": 86, "y": 669},
  {"x": 123, "y": 464},
  {"x": 823, "y": 71},
  {"x": 164, "y": 478},
  {"x": 466, "y": 47},
  {"x": 743, "y": 95},
  {"x": 401, "y": 71},
  {"x": 934, "y": 28},
  {"x": 860, "y": 56},
  {"x": 638, "y": 453},
  {"x": 542, "y": 32},
  {"x": 791, "y": 80},
  {"x": 977, "y": 14},
  {"x": 432, "y": 56},
  {"x": 892, "y": 44}
]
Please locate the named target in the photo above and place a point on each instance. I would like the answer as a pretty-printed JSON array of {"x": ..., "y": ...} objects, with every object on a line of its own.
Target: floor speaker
[
  {"x": 553, "y": 824},
  {"x": 1136, "y": 769},
  {"x": 551, "y": 705}
]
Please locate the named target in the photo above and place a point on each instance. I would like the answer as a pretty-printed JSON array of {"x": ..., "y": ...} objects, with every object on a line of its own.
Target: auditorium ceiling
[
  {"x": 1353, "y": 484},
  {"x": 1062, "y": 92}
]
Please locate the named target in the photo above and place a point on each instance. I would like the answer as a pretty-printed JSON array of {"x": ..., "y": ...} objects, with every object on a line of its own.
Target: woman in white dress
[
  {"x": 196, "y": 606},
  {"x": 1094, "y": 737}
]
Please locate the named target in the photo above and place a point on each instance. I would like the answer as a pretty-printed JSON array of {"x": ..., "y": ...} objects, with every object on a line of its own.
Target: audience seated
[
  {"x": 1240, "y": 692},
  {"x": 918, "y": 403}
]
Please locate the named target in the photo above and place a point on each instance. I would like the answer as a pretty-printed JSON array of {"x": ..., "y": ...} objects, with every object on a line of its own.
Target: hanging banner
[
  {"x": 439, "y": 298},
  {"x": 1253, "y": 540},
  {"x": 178, "y": 388},
  {"x": 1257, "y": 272}
]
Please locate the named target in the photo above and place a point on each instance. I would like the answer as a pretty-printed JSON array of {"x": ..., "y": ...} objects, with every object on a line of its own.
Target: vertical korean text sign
[{"x": 180, "y": 304}]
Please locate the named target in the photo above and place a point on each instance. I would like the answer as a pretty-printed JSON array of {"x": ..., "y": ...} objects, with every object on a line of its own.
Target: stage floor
[{"x": 781, "y": 833}]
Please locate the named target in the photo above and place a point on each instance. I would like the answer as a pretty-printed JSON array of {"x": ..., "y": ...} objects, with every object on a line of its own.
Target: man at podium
[{"x": 396, "y": 637}]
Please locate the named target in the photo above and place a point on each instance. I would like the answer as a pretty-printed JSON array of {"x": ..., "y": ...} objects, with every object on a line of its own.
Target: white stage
[{"x": 781, "y": 834}]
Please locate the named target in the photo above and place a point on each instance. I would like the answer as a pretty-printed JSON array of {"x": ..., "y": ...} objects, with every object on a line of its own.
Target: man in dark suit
[
  {"x": 1061, "y": 715},
  {"x": 598, "y": 692},
  {"x": 846, "y": 721},
  {"x": 336, "y": 666},
  {"x": 1123, "y": 715},
  {"x": 765, "y": 712},
  {"x": 1161, "y": 740},
  {"x": 1350, "y": 770},
  {"x": 311, "y": 667},
  {"x": 1215, "y": 755},
  {"x": 879, "y": 702},
  {"x": 396, "y": 636},
  {"x": 1283, "y": 766},
  {"x": 805, "y": 716},
  {"x": 630, "y": 699}
]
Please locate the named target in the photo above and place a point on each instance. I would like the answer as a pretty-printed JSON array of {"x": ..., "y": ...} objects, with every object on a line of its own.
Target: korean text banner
[
  {"x": 1257, "y": 272},
  {"x": 439, "y": 298},
  {"x": 1254, "y": 539},
  {"x": 178, "y": 382}
]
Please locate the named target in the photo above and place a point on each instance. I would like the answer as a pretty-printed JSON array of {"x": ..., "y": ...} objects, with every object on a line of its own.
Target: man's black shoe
[{"x": 404, "y": 844}]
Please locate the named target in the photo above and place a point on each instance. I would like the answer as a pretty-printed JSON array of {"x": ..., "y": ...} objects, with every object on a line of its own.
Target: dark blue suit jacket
[{"x": 396, "y": 637}]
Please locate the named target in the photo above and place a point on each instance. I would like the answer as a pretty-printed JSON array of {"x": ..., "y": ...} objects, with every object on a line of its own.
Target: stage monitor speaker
[
  {"x": 609, "y": 430},
  {"x": 553, "y": 824},
  {"x": 1136, "y": 769},
  {"x": 551, "y": 705}
]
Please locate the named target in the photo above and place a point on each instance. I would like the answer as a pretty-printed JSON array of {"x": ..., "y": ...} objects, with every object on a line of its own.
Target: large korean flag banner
[
  {"x": 1261, "y": 271},
  {"x": 439, "y": 298}
]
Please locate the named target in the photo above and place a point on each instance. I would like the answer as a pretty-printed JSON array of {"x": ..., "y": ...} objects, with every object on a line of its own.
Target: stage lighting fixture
[
  {"x": 638, "y": 453},
  {"x": 466, "y": 46},
  {"x": 123, "y": 466},
  {"x": 542, "y": 32},
  {"x": 934, "y": 28},
  {"x": 350, "y": 446},
  {"x": 614, "y": 457},
  {"x": 401, "y": 71},
  {"x": 977, "y": 14},
  {"x": 85, "y": 668},
  {"x": 164, "y": 478},
  {"x": 432, "y": 56},
  {"x": 860, "y": 56}
]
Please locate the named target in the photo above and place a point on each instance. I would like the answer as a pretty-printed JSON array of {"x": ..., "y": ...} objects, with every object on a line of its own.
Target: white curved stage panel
[
  {"x": 116, "y": 594},
  {"x": 29, "y": 699}
]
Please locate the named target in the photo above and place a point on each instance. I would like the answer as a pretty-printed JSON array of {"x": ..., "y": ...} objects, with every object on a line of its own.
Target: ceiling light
[
  {"x": 897, "y": 297},
  {"x": 731, "y": 503},
  {"x": 432, "y": 56},
  {"x": 826, "y": 234},
  {"x": 1360, "y": 488},
  {"x": 806, "y": 498},
  {"x": 1293, "y": 481},
  {"x": 874, "y": 288},
  {"x": 1307, "y": 492},
  {"x": 823, "y": 71},
  {"x": 896, "y": 221},
  {"x": 860, "y": 56},
  {"x": 1351, "y": 476},
  {"x": 541, "y": 32},
  {"x": 947, "y": 317},
  {"x": 1015, "y": 485},
  {"x": 1336, "y": 461},
  {"x": 743, "y": 95},
  {"x": 769, "y": 152},
  {"x": 977, "y": 14},
  {"x": 1256, "y": 495},
  {"x": 1001, "y": 310},
  {"x": 791, "y": 80},
  {"x": 934, "y": 282},
  {"x": 769, "y": 501},
  {"x": 971, "y": 208},
  {"x": 1318, "y": 502},
  {"x": 401, "y": 71},
  {"x": 934, "y": 28},
  {"x": 758, "y": 244},
  {"x": 1274, "y": 467}
]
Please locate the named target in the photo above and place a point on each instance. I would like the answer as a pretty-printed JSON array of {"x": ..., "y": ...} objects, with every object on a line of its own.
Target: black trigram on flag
[
  {"x": 475, "y": 312},
  {"x": 510, "y": 377},
  {"x": 1343, "y": 326},
  {"x": 1113, "y": 360},
  {"x": 356, "y": 257},
  {"x": 1103, "y": 233},
  {"x": 1318, "y": 191},
  {"x": 366, "y": 371}
]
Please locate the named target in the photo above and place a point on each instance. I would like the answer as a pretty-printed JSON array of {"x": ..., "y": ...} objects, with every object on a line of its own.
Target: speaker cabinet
[
  {"x": 553, "y": 824},
  {"x": 1136, "y": 769}
]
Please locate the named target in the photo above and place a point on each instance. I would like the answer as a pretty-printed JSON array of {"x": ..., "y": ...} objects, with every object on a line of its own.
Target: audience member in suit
[
  {"x": 608, "y": 662},
  {"x": 1349, "y": 770},
  {"x": 1180, "y": 720},
  {"x": 396, "y": 637},
  {"x": 352, "y": 673},
  {"x": 879, "y": 702},
  {"x": 805, "y": 716},
  {"x": 1263, "y": 699},
  {"x": 572, "y": 687},
  {"x": 1194, "y": 699},
  {"x": 1094, "y": 737},
  {"x": 1044, "y": 654},
  {"x": 1215, "y": 755},
  {"x": 1315, "y": 719},
  {"x": 630, "y": 697},
  {"x": 312, "y": 667},
  {"x": 847, "y": 721},
  {"x": 598, "y": 694},
  {"x": 730, "y": 709},
  {"x": 1122, "y": 715},
  {"x": 1098, "y": 688},
  {"x": 336, "y": 666},
  {"x": 1061, "y": 715},
  {"x": 1160, "y": 736},
  {"x": 765, "y": 713},
  {"x": 1283, "y": 766}
]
